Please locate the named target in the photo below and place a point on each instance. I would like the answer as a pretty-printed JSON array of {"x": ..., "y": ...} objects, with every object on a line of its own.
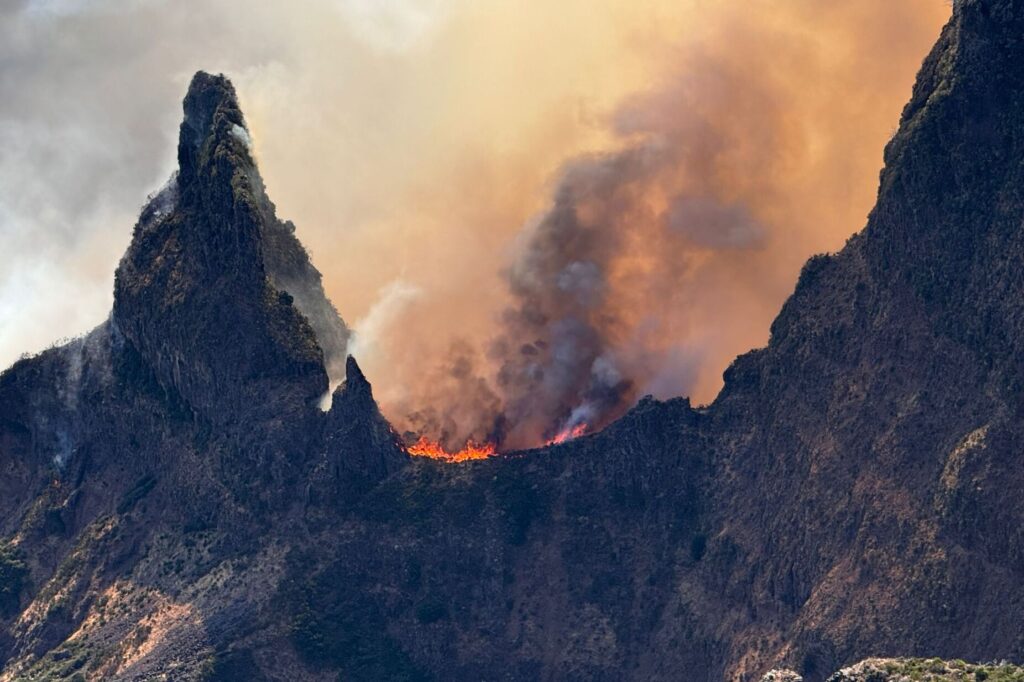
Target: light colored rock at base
[{"x": 781, "y": 675}]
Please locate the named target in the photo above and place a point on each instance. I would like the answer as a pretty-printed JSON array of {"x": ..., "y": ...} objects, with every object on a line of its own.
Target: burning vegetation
[
  {"x": 568, "y": 433},
  {"x": 425, "y": 447}
]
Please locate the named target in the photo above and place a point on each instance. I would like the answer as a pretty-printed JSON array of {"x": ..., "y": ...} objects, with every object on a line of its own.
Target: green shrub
[
  {"x": 337, "y": 624},
  {"x": 13, "y": 576}
]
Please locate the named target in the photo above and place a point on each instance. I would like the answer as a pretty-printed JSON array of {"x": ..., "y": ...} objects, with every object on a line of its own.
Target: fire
[
  {"x": 425, "y": 447},
  {"x": 568, "y": 433}
]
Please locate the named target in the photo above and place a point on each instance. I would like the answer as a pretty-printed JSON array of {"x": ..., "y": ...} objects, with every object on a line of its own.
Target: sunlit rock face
[{"x": 173, "y": 496}]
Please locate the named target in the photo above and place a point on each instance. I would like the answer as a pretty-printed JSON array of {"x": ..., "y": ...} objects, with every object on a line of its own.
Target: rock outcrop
[
  {"x": 912, "y": 670},
  {"x": 215, "y": 293},
  {"x": 927, "y": 670}
]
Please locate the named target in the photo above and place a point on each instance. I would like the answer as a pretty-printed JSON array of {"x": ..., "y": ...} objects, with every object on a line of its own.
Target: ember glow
[{"x": 425, "y": 447}]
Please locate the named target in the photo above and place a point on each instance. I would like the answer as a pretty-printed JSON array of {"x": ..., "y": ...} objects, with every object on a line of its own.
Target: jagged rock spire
[
  {"x": 212, "y": 116},
  {"x": 215, "y": 292},
  {"x": 360, "y": 442}
]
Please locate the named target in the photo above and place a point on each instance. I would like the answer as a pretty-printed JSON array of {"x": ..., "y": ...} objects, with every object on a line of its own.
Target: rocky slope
[
  {"x": 913, "y": 670},
  {"x": 173, "y": 502}
]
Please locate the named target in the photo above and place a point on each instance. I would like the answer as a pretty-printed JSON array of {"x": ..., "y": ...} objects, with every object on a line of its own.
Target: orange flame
[
  {"x": 425, "y": 447},
  {"x": 568, "y": 433},
  {"x": 428, "y": 448}
]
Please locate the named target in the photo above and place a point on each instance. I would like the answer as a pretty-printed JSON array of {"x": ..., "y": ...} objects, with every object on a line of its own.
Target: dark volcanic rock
[
  {"x": 213, "y": 290},
  {"x": 358, "y": 438},
  {"x": 180, "y": 503}
]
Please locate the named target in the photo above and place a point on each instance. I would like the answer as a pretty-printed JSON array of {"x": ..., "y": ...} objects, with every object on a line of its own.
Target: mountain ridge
[{"x": 179, "y": 502}]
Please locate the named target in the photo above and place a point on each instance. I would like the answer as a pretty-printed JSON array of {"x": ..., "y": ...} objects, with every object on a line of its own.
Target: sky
[{"x": 430, "y": 151}]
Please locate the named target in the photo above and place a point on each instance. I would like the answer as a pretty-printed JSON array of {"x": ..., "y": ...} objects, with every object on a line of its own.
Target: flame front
[
  {"x": 425, "y": 447},
  {"x": 568, "y": 433}
]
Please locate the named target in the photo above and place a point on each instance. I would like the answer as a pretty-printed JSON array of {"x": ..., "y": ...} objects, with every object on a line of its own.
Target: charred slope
[{"x": 174, "y": 500}]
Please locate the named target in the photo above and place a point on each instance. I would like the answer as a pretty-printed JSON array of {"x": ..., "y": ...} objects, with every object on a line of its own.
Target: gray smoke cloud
[
  {"x": 87, "y": 133},
  {"x": 573, "y": 247},
  {"x": 620, "y": 287},
  {"x": 569, "y": 349}
]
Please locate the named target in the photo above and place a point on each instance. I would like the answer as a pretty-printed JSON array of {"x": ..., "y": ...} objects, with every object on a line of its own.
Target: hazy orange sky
[{"x": 416, "y": 144}]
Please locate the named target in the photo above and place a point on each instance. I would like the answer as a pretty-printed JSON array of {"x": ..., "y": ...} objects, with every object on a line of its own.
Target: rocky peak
[
  {"x": 213, "y": 124},
  {"x": 945, "y": 232},
  {"x": 355, "y": 380},
  {"x": 215, "y": 292},
  {"x": 359, "y": 439}
]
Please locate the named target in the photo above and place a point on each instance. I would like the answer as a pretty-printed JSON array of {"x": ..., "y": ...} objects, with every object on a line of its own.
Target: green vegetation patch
[
  {"x": 335, "y": 624},
  {"x": 70, "y": 661},
  {"x": 929, "y": 670},
  {"x": 13, "y": 579}
]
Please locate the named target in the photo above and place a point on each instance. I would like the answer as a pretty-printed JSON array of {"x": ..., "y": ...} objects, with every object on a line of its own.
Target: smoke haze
[{"x": 531, "y": 215}]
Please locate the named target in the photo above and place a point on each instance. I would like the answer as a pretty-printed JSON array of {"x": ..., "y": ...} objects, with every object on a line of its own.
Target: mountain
[
  {"x": 190, "y": 416},
  {"x": 173, "y": 501}
]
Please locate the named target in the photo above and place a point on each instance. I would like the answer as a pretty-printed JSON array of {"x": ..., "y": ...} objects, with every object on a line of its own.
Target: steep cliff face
[
  {"x": 215, "y": 293},
  {"x": 174, "y": 500},
  {"x": 886, "y": 448}
]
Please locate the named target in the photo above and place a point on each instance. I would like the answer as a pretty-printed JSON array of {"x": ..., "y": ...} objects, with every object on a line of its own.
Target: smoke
[
  {"x": 371, "y": 330},
  {"x": 595, "y": 199},
  {"x": 86, "y": 356},
  {"x": 708, "y": 223},
  {"x": 630, "y": 236},
  {"x": 392, "y": 25},
  {"x": 626, "y": 284},
  {"x": 600, "y": 286}
]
